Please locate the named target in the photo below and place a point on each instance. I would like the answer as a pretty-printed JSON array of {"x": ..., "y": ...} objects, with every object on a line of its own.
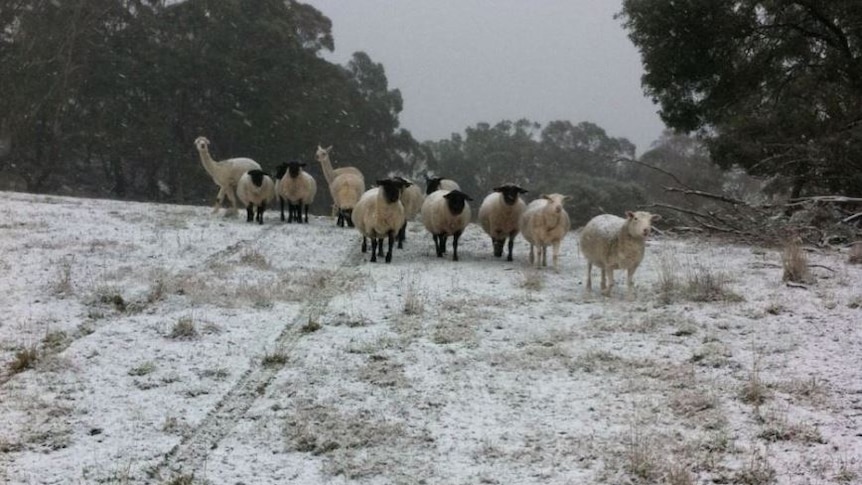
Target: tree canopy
[
  {"x": 774, "y": 86},
  {"x": 109, "y": 94}
]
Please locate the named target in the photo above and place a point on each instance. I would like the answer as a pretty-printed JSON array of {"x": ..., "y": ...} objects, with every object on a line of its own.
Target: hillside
[{"x": 151, "y": 343}]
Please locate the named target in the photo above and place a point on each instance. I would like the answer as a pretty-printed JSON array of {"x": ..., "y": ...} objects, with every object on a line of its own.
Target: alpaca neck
[
  {"x": 207, "y": 161},
  {"x": 327, "y": 168}
]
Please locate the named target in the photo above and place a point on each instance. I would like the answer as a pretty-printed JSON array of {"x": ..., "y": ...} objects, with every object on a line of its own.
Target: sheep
[
  {"x": 225, "y": 173},
  {"x": 255, "y": 188},
  {"x": 500, "y": 214},
  {"x": 444, "y": 213},
  {"x": 379, "y": 213},
  {"x": 296, "y": 186},
  {"x": 545, "y": 222},
  {"x": 433, "y": 184},
  {"x": 411, "y": 198},
  {"x": 611, "y": 242},
  {"x": 346, "y": 185}
]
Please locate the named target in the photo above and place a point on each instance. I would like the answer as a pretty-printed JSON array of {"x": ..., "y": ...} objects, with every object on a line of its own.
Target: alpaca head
[
  {"x": 201, "y": 143},
  {"x": 322, "y": 153}
]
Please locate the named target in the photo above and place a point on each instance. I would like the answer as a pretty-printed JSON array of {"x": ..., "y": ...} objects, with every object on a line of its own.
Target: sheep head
[
  {"x": 639, "y": 224},
  {"x": 456, "y": 200},
  {"x": 391, "y": 188},
  {"x": 510, "y": 193},
  {"x": 556, "y": 201}
]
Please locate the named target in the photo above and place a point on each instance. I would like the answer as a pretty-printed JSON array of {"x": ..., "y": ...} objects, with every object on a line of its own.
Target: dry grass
[
  {"x": 63, "y": 284},
  {"x": 795, "y": 263},
  {"x": 779, "y": 428},
  {"x": 691, "y": 280},
  {"x": 24, "y": 359},
  {"x": 184, "y": 329},
  {"x": 276, "y": 358},
  {"x": 414, "y": 300},
  {"x": 311, "y": 326},
  {"x": 755, "y": 471},
  {"x": 754, "y": 391},
  {"x": 143, "y": 369},
  {"x": 532, "y": 280}
]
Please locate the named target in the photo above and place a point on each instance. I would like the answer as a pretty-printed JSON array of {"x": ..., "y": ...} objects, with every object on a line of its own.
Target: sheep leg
[
  {"x": 610, "y": 279},
  {"x": 260, "y": 210},
  {"x": 511, "y": 244},
  {"x": 532, "y": 248},
  {"x": 544, "y": 252},
  {"x": 443, "y": 238},
  {"x": 556, "y": 253},
  {"x": 249, "y": 213},
  {"x": 380, "y": 246},
  {"x": 402, "y": 235},
  {"x": 306, "y": 213},
  {"x": 364, "y": 244},
  {"x": 630, "y": 285},
  {"x": 455, "y": 245},
  {"x": 391, "y": 243},
  {"x": 437, "y": 245},
  {"x": 219, "y": 200},
  {"x": 589, "y": 276},
  {"x": 498, "y": 246},
  {"x": 348, "y": 213},
  {"x": 281, "y": 202},
  {"x": 373, "y": 249}
]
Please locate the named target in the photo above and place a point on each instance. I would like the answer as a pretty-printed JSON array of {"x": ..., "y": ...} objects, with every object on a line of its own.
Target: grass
[
  {"x": 692, "y": 281},
  {"x": 414, "y": 301},
  {"x": 532, "y": 280},
  {"x": 63, "y": 284},
  {"x": 143, "y": 369},
  {"x": 276, "y": 358},
  {"x": 184, "y": 329},
  {"x": 754, "y": 391},
  {"x": 755, "y": 471},
  {"x": 795, "y": 263},
  {"x": 24, "y": 359},
  {"x": 311, "y": 326}
]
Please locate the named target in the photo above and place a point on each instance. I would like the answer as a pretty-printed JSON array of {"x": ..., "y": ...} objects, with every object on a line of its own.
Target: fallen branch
[
  {"x": 821, "y": 266},
  {"x": 708, "y": 195},
  {"x": 796, "y": 285},
  {"x": 852, "y": 218}
]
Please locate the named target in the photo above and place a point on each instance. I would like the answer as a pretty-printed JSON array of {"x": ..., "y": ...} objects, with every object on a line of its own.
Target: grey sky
[{"x": 459, "y": 62}]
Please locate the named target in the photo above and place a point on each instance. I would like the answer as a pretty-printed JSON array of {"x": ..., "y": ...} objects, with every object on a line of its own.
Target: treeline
[{"x": 104, "y": 97}]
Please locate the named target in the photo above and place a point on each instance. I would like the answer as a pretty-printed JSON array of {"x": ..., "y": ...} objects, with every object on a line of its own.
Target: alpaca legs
[{"x": 219, "y": 199}]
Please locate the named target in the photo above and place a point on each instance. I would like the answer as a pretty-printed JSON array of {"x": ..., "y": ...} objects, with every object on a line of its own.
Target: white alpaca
[
  {"x": 225, "y": 173},
  {"x": 346, "y": 185}
]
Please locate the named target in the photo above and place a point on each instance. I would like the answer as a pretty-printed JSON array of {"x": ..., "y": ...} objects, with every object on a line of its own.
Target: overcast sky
[{"x": 459, "y": 62}]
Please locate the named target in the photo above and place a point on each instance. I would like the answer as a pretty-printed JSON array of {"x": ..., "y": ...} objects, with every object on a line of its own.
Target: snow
[{"x": 424, "y": 370}]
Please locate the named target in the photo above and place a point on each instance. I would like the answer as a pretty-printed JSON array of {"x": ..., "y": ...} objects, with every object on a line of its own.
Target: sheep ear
[
  {"x": 544, "y": 196},
  {"x": 522, "y": 191},
  {"x": 630, "y": 215},
  {"x": 381, "y": 182},
  {"x": 303, "y": 164},
  {"x": 655, "y": 217},
  {"x": 567, "y": 198}
]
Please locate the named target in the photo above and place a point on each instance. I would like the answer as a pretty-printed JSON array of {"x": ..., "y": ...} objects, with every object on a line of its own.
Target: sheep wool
[
  {"x": 500, "y": 214},
  {"x": 446, "y": 213},
  {"x": 545, "y": 223},
  {"x": 378, "y": 214},
  {"x": 255, "y": 189},
  {"x": 611, "y": 243},
  {"x": 297, "y": 187}
]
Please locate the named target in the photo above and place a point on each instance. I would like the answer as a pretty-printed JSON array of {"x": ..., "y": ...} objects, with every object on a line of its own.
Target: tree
[{"x": 774, "y": 86}]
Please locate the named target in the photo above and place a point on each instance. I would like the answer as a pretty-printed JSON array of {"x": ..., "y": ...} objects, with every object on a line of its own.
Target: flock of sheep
[{"x": 607, "y": 241}]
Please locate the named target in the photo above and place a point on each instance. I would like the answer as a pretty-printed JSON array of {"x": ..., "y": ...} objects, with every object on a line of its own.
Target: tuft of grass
[
  {"x": 532, "y": 280},
  {"x": 24, "y": 359},
  {"x": 253, "y": 258},
  {"x": 754, "y": 391},
  {"x": 108, "y": 296},
  {"x": 143, "y": 369},
  {"x": 310, "y": 326},
  {"x": 795, "y": 263},
  {"x": 63, "y": 285},
  {"x": 779, "y": 428},
  {"x": 855, "y": 253},
  {"x": 641, "y": 458},
  {"x": 185, "y": 479},
  {"x": 755, "y": 471},
  {"x": 55, "y": 341},
  {"x": 275, "y": 359},
  {"x": 184, "y": 329},
  {"x": 414, "y": 301},
  {"x": 700, "y": 283}
]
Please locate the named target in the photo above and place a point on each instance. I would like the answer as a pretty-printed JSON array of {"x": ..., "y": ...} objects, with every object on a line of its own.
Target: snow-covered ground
[{"x": 150, "y": 343}]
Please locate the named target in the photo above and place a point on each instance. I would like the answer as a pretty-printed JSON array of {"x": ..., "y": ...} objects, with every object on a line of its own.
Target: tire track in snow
[{"x": 189, "y": 457}]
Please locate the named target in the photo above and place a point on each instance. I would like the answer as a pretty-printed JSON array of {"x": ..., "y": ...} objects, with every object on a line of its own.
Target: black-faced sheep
[
  {"x": 225, "y": 173},
  {"x": 611, "y": 242},
  {"x": 446, "y": 213},
  {"x": 296, "y": 186},
  {"x": 378, "y": 214},
  {"x": 346, "y": 185},
  {"x": 433, "y": 184},
  {"x": 255, "y": 189},
  {"x": 500, "y": 214},
  {"x": 545, "y": 223}
]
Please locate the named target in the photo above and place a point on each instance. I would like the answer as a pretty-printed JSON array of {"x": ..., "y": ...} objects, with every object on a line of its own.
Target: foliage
[
  {"x": 775, "y": 87},
  {"x": 106, "y": 96}
]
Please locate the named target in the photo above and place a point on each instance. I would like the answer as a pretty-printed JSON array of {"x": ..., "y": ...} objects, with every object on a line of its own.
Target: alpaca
[
  {"x": 225, "y": 173},
  {"x": 346, "y": 185}
]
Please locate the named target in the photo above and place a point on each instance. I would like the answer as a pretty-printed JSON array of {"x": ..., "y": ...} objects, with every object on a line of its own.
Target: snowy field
[{"x": 150, "y": 343}]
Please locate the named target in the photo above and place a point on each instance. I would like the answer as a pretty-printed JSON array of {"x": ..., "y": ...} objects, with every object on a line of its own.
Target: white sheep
[
  {"x": 346, "y": 185},
  {"x": 611, "y": 242},
  {"x": 411, "y": 198},
  {"x": 545, "y": 223},
  {"x": 296, "y": 186},
  {"x": 378, "y": 214},
  {"x": 433, "y": 184},
  {"x": 446, "y": 213},
  {"x": 255, "y": 189},
  {"x": 225, "y": 173},
  {"x": 500, "y": 214}
]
